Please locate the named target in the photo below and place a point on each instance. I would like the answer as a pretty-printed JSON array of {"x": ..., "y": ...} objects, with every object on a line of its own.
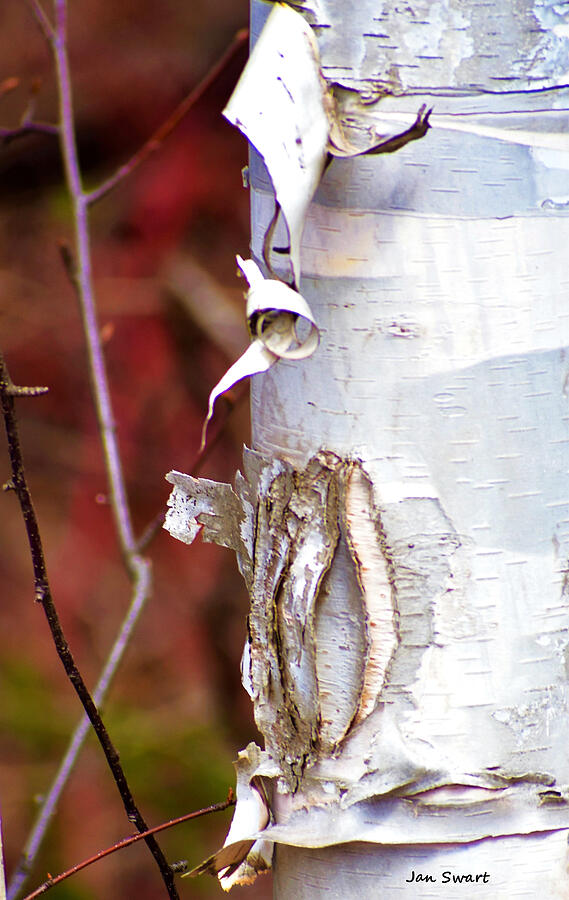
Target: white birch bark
[{"x": 403, "y": 523}]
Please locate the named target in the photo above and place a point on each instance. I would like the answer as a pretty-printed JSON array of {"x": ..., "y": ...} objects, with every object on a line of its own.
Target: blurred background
[{"x": 171, "y": 315}]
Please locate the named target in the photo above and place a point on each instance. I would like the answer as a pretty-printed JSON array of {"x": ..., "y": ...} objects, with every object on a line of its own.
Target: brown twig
[
  {"x": 157, "y": 139},
  {"x": 44, "y": 596},
  {"x": 126, "y": 842}
]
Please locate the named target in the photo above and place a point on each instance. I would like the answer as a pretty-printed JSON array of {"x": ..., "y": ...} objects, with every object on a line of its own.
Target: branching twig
[
  {"x": 157, "y": 139},
  {"x": 78, "y": 264},
  {"x": 41, "y": 18},
  {"x": 83, "y": 282},
  {"x": 2, "y": 870},
  {"x": 137, "y": 566},
  {"x": 126, "y": 842},
  {"x": 52, "y": 796},
  {"x": 43, "y": 595}
]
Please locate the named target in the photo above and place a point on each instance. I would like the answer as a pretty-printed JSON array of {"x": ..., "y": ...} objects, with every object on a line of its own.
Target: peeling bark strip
[
  {"x": 375, "y": 572},
  {"x": 242, "y": 858},
  {"x": 287, "y": 528},
  {"x": 274, "y": 312},
  {"x": 293, "y": 117}
]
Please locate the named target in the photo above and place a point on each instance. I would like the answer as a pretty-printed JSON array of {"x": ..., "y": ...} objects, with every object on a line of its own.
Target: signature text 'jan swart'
[{"x": 450, "y": 878}]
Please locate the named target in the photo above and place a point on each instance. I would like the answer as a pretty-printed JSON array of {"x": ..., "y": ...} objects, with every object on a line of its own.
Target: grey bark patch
[{"x": 322, "y": 631}]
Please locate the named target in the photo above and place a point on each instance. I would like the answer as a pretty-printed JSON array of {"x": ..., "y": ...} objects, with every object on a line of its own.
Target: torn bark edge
[
  {"x": 414, "y": 810},
  {"x": 341, "y": 147},
  {"x": 198, "y": 505},
  {"x": 287, "y": 56},
  {"x": 515, "y": 805},
  {"x": 243, "y": 857},
  {"x": 232, "y": 520}
]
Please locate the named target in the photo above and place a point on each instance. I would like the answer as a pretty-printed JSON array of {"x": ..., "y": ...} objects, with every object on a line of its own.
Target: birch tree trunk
[{"x": 408, "y": 484}]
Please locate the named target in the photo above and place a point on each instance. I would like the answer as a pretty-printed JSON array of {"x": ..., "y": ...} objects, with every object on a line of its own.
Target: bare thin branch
[
  {"x": 157, "y": 139},
  {"x": 42, "y": 19},
  {"x": 78, "y": 265},
  {"x": 141, "y": 593},
  {"x": 83, "y": 283},
  {"x": 11, "y": 134},
  {"x": 35, "y": 838},
  {"x": 126, "y": 842},
  {"x": 26, "y": 125},
  {"x": 44, "y": 596},
  {"x": 2, "y": 872},
  {"x": 16, "y": 390},
  {"x": 138, "y": 567}
]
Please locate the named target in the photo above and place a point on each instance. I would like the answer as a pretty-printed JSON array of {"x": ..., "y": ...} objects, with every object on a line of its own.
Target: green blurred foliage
[{"x": 32, "y": 720}]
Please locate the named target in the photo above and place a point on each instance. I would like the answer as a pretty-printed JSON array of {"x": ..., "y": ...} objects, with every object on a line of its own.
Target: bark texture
[
  {"x": 438, "y": 277},
  {"x": 403, "y": 517}
]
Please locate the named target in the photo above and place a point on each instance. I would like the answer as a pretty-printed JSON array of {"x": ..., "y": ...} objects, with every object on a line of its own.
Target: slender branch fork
[
  {"x": 83, "y": 281},
  {"x": 81, "y": 276},
  {"x": 126, "y": 842}
]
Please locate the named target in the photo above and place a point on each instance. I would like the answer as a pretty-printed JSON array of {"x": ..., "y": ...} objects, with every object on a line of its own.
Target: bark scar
[{"x": 303, "y": 537}]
